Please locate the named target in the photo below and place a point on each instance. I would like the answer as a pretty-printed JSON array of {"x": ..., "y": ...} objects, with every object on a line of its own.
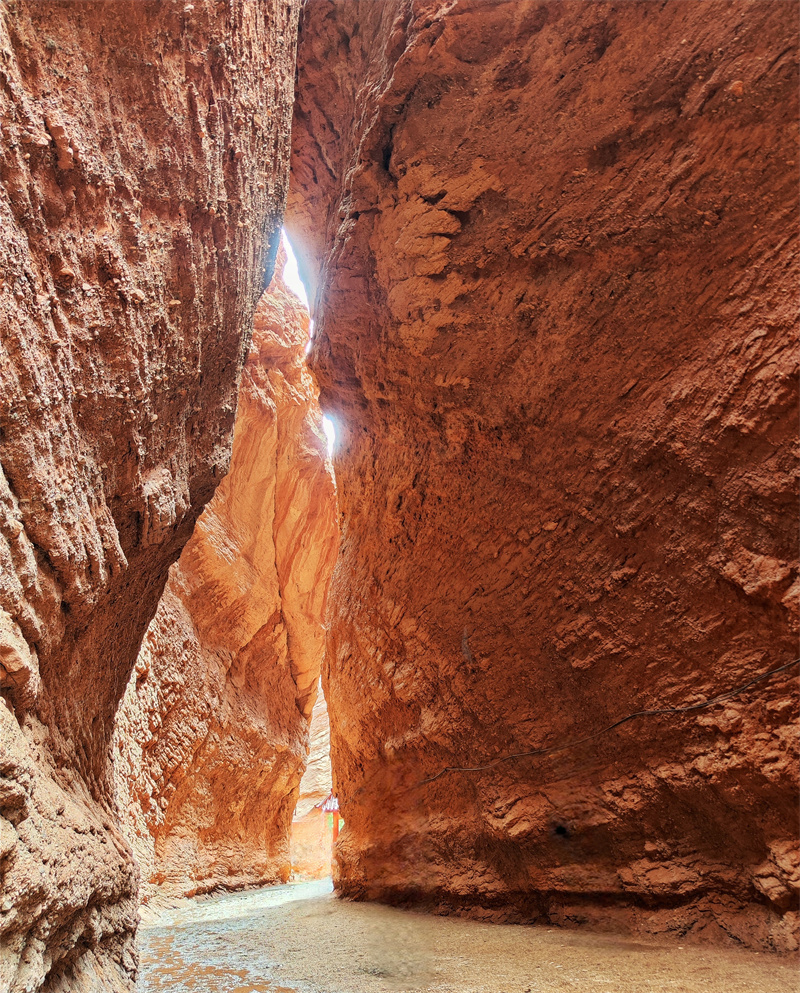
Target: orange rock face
[
  {"x": 554, "y": 246},
  {"x": 212, "y": 736},
  {"x": 139, "y": 214}
]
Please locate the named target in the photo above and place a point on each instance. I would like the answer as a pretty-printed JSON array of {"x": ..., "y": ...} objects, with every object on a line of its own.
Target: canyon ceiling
[{"x": 552, "y": 255}]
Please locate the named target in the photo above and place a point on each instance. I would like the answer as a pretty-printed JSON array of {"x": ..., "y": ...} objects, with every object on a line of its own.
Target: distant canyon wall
[
  {"x": 212, "y": 736},
  {"x": 143, "y": 172},
  {"x": 554, "y": 255},
  {"x": 311, "y": 837}
]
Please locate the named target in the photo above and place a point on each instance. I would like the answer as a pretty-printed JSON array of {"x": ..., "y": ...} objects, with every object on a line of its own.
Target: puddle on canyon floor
[{"x": 300, "y": 939}]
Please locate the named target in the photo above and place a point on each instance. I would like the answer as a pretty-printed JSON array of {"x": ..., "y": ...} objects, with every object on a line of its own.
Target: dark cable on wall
[{"x": 727, "y": 695}]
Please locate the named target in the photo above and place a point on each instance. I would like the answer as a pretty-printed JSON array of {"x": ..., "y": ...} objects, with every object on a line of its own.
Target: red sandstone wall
[
  {"x": 143, "y": 153},
  {"x": 212, "y": 736},
  {"x": 555, "y": 252}
]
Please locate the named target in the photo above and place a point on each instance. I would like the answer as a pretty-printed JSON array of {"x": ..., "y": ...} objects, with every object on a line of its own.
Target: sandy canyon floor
[{"x": 300, "y": 938}]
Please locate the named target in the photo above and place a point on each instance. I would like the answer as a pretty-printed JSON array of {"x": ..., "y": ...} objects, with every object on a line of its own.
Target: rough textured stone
[
  {"x": 554, "y": 247},
  {"x": 212, "y": 736},
  {"x": 143, "y": 153}
]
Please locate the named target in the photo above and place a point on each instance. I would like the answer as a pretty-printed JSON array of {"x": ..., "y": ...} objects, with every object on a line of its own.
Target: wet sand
[{"x": 300, "y": 939}]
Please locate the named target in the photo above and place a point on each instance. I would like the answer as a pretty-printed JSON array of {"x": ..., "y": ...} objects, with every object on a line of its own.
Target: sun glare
[
  {"x": 291, "y": 274},
  {"x": 330, "y": 433}
]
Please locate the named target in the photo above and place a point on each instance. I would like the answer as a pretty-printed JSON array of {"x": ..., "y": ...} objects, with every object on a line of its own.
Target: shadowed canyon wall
[
  {"x": 554, "y": 250},
  {"x": 142, "y": 181},
  {"x": 212, "y": 736}
]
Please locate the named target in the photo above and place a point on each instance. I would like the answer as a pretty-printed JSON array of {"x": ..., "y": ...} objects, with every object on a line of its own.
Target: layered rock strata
[
  {"x": 212, "y": 736},
  {"x": 555, "y": 255},
  {"x": 142, "y": 180}
]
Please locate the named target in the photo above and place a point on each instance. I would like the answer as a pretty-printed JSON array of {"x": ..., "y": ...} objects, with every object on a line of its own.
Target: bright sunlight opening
[
  {"x": 291, "y": 274},
  {"x": 330, "y": 433}
]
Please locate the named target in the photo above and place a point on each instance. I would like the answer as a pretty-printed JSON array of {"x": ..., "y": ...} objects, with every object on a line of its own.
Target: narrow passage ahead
[{"x": 299, "y": 938}]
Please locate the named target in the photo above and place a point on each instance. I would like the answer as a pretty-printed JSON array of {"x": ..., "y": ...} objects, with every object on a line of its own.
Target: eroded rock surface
[
  {"x": 143, "y": 157},
  {"x": 555, "y": 252},
  {"x": 212, "y": 737}
]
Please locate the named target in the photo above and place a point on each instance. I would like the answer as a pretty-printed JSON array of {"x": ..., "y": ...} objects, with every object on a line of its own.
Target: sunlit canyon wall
[{"x": 212, "y": 737}]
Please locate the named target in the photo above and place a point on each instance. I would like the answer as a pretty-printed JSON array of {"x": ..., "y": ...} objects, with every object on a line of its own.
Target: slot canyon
[{"x": 531, "y": 619}]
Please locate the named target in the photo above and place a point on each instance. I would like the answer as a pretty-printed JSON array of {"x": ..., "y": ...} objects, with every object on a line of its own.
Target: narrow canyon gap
[
  {"x": 211, "y": 739},
  {"x": 143, "y": 174},
  {"x": 553, "y": 253}
]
